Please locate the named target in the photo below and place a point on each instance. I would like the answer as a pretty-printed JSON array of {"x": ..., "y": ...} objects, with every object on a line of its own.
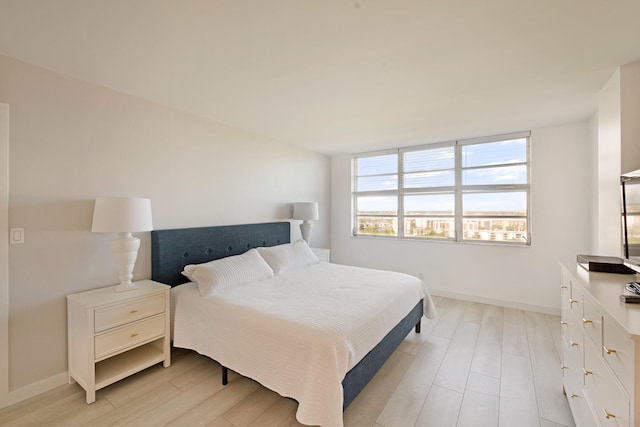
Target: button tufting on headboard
[{"x": 185, "y": 255}]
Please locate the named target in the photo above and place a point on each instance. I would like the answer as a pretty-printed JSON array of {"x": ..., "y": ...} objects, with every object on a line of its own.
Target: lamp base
[
  {"x": 124, "y": 287},
  {"x": 305, "y": 230},
  {"x": 125, "y": 252}
]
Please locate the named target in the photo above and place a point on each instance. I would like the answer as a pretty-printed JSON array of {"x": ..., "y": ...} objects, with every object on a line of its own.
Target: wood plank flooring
[{"x": 474, "y": 365}]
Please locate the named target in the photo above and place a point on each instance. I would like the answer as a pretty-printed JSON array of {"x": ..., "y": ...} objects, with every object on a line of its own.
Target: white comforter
[{"x": 298, "y": 333}]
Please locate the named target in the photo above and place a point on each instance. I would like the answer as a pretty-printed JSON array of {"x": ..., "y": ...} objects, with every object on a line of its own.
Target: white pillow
[
  {"x": 226, "y": 272},
  {"x": 288, "y": 256}
]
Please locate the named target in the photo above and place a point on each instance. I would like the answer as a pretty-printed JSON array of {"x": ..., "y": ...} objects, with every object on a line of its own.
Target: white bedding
[{"x": 301, "y": 332}]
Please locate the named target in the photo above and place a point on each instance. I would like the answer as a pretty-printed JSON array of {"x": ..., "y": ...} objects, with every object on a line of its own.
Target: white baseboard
[
  {"x": 35, "y": 389},
  {"x": 494, "y": 301}
]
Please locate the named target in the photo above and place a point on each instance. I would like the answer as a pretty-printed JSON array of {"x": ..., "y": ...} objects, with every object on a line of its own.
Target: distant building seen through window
[{"x": 471, "y": 190}]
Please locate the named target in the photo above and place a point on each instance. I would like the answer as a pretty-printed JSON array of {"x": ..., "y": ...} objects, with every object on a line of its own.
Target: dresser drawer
[
  {"x": 111, "y": 317},
  {"x": 618, "y": 352},
  {"x": 128, "y": 336},
  {"x": 575, "y": 301},
  {"x": 592, "y": 322},
  {"x": 574, "y": 336},
  {"x": 565, "y": 286},
  {"x": 610, "y": 402}
]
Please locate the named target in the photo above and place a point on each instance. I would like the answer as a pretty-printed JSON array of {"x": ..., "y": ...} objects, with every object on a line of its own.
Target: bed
[{"x": 227, "y": 326}]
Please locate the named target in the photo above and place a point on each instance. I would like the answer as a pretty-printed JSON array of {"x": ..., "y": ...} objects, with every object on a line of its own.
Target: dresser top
[
  {"x": 605, "y": 289},
  {"x": 107, "y": 295}
]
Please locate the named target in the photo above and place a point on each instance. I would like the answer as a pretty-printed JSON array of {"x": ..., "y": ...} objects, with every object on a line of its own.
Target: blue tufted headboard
[{"x": 171, "y": 250}]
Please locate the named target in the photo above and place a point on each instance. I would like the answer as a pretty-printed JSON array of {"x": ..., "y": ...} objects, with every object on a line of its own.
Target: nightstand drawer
[
  {"x": 111, "y": 317},
  {"x": 128, "y": 336}
]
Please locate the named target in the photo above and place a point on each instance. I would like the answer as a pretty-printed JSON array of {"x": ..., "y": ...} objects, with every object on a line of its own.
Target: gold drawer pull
[
  {"x": 563, "y": 366},
  {"x": 133, "y": 311},
  {"x": 562, "y": 323},
  {"x": 571, "y": 301},
  {"x": 586, "y": 372},
  {"x": 608, "y": 350},
  {"x": 573, "y": 344},
  {"x": 573, "y": 395},
  {"x": 587, "y": 321},
  {"x": 134, "y": 335},
  {"x": 563, "y": 287},
  {"x": 607, "y": 415}
]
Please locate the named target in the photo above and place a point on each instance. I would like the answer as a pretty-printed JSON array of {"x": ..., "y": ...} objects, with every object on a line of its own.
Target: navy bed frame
[{"x": 171, "y": 250}]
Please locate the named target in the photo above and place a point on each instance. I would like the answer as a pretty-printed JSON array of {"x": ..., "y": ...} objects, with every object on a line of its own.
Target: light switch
[{"x": 16, "y": 235}]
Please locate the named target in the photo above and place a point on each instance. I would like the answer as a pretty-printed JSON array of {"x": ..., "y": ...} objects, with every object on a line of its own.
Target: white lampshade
[
  {"x": 123, "y": 215},
  {"x": 305, "y": 211}
]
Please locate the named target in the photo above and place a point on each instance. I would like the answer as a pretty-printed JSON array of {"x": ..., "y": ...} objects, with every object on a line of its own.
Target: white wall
[
  {"x": 608, "y": 237},
  {"x": 618, "y": 151},
  {"x": 512, "y": 276},
  {"x": 594, "y": 202},
  {"x": 71, "y": 141},
  {"x": 630, "y": 116}
]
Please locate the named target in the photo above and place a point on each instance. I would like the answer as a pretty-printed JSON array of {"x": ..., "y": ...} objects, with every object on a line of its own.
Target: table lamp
[
  {"x": 123, "y": 215},
  {"x": 306, "y": 211}
]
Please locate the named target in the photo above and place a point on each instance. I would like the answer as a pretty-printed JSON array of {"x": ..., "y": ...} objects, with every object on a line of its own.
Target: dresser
[
  {"x": 600, "y": 348},
  {"x": 112, "y": 335}
]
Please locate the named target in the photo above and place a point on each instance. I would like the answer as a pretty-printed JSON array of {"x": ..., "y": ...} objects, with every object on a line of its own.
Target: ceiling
[{"x": 340, "y": 76}]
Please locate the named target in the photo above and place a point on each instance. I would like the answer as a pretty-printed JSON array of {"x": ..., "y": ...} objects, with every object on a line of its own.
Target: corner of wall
[
  {"x": 629, "y": 113},
  {"x": 608, "y": 239},
  {"x": 4, "y": 255}
]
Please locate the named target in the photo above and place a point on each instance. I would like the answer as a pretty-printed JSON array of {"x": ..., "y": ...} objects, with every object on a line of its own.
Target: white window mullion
[
  {"x": 458, "y": 194},
  {"x": 400, "y": 195},
  {"x": 354, "y": 199}
]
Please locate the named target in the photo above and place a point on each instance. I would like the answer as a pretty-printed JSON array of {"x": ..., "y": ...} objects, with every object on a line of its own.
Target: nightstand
[
  {"x": 112, "y": 335},
  {"x": 323, "y": 255}
]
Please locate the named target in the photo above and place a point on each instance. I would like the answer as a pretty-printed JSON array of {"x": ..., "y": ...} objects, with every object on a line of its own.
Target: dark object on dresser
[{"x": 604, "y": 264}]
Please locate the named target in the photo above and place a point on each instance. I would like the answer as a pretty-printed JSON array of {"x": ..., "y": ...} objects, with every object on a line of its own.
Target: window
[{"x": 471, "y": 190}]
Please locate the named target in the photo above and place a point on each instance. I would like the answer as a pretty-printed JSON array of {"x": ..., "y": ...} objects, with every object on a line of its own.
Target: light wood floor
[{"x": 474, "y": 365}]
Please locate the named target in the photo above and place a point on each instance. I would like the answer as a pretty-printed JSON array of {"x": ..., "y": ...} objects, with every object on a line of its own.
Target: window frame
[{"x": 457, "y": 189}]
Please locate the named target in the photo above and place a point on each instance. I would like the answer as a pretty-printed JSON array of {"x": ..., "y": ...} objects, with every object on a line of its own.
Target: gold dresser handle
[
  {"x": 563, "y": 366},
  {"x": 608, "y": 350},
  {"x": 563, "y": 287},
  {"x": 133, "y": 311},
  {"x": 587, "y": 321},
  {"x": 586, "y": 372},
  {"x": 573, "y": 344},
  {"x": 571, "y": 300},
  {"x": 134, "y": 335},
  {"x": 573, "y": 395},
  {"x": 607, "y": 415},
  {"x": 562, "y": 323}
]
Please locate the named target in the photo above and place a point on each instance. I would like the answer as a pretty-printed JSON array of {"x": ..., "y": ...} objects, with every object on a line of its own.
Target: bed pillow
[
  {"x": 288, "y": 256},
  {"x": 226, "y": 272}
]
